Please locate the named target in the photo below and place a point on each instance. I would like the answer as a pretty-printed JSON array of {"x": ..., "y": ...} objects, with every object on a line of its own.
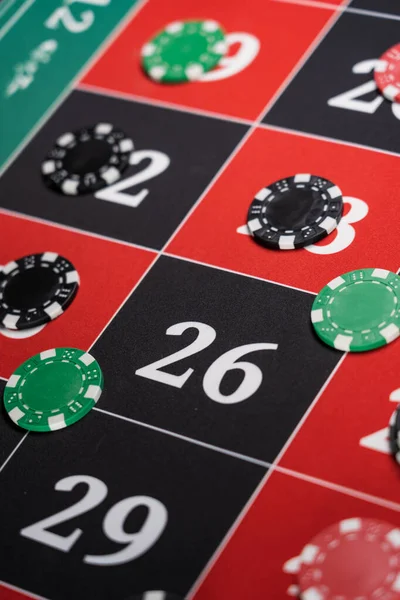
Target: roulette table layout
[{"x": 199, "y": 300}]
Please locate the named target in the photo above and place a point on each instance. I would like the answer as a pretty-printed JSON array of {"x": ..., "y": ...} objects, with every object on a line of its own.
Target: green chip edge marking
[{"x": 358, "y": 311}]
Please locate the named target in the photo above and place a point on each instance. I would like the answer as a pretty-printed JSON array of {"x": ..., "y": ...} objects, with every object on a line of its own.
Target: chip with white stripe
[
  {"x": 36, "y": 289},
  {"x": 394, "y": 434},
  {"x": 183, "y": 51},
  {"x": 354, "y": 559},
  {"x": 387, "y": 73},
  {"x": 87, "y": 160},
  {"x": 295, "y": 211},
  {"x": 53, "y": 389},
  {"x": 358, "y": 311}
]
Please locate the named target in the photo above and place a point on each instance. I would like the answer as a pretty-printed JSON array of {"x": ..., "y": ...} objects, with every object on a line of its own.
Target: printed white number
[
  {"x": 231, "y": 65},
  {"x": 139, "y": 542},
  {"x": 215, "y": 373},
  {"x": 63, "y": 15},
  {"x": 206, "y": 336},
  {"x": 350, "y": 100},
  {"x": 94, "y": 496},
  {"x": 159, "y": 162},
  {"x": 345, "y": 232},
  {"x": 252, "y": 374},
  {"x": 379, "y": 440}
]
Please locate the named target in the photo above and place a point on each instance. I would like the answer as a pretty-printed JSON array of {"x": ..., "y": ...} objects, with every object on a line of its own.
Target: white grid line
[
  {"x": 15, "y": 17},
  {"x": 100, "y": 91},
  {"x": 342, "y": 489},
  {"x": 13, "y": 452},
  {"x": 185, "y": 438},
  {"x": 262, "y": 463},
  {"x": 240, "y": 273},
  {"x": 342, "y": 8},
  {"x": 315, "y": 136},
  {"x": 6, "y": 6},
  {"x": 139, "y": 281},
  {"x": 83, "y": 232}
]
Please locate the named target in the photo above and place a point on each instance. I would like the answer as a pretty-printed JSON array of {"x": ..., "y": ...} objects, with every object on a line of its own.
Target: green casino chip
[
  {"x": 359, "y": 310},
  {"x": 184, "y": 50},
  {"x": 53, "y": 389}
]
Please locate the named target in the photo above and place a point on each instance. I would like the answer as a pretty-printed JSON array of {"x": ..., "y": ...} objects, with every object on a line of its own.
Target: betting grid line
[
  {"x": 147, "y": 249},
  {"x": 83, "y": 232},
  {"x": 9, "y": 457},
  {"x": 185, "y": 438},
  {"x": 313, "y": 4},
  {"x": 240, "y": 273},
  {"x": 322, "y": 138},
  {"x": 244, "y": 139},
  {"x": 100, "y": 91},
  {"x": 389, "y": 504},
  {"x": 325, "y": 483},
  {"x": 6, "y": 6},
  {"x": 342, "y": 8}
]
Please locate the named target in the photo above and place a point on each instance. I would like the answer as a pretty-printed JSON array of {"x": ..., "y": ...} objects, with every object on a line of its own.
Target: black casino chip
[
  {"x": 35, "y": 289},
  {"x": 394, "y": 434},
  {"x": 87, "y": 160},
  {"x": 295, "y": 212}
]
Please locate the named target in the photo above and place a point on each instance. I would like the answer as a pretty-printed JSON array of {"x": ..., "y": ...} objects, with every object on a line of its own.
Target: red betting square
[
  {"x": 107, "y": 270},
  {"x": 285, "y": 516},
  {"x": 344, "y": 437},
  {"x": 266, "y": 40},
  {"x": 11, "y": 593},
  {"x": 365, "y": 236}
]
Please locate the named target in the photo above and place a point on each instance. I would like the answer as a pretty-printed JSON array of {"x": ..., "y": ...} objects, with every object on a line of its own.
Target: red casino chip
[
  {"x": 352, "y": 560},
  {"x": 387, "y": 74}
]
